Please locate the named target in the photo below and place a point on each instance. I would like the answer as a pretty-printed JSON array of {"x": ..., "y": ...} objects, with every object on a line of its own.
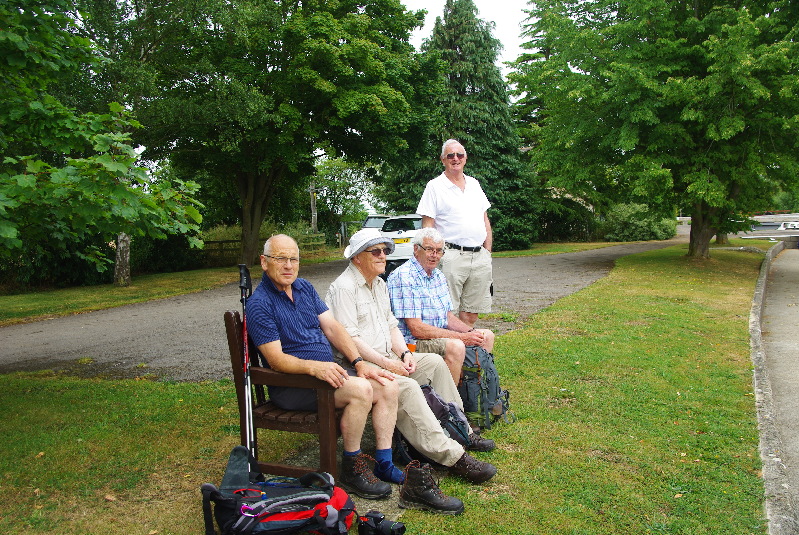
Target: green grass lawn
[{"x": 633, "y": 396}]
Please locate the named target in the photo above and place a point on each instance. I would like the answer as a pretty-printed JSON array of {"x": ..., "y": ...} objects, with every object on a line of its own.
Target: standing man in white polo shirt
[{"x": 454, "y": 203}]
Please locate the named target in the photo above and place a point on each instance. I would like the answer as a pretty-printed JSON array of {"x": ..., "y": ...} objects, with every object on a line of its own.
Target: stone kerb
[{"x": 781, "y": 515}]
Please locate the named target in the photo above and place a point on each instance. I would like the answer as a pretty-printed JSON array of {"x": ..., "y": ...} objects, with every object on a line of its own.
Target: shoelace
[
  {"x": 362, "y": 469},
  {"x": 429, "y": 479}
]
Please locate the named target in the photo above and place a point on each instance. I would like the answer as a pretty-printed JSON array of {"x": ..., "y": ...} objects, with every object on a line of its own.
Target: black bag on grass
[
  {"x": 484, "y": 400},
  {"x": 247, "y": 503}
]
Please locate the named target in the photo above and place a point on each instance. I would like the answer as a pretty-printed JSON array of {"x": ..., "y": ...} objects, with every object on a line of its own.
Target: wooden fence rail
[{"x": 219, "y": 253}]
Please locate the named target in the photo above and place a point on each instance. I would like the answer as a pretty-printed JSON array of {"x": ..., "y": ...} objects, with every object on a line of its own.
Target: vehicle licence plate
[{"x": 402, "y": 240}]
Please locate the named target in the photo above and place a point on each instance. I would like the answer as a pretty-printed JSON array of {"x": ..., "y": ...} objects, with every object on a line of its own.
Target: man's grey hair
[
  {"x": 268, "y": 243},
  {"x": 450, "y": 142},
  {"x": 428, "y": 232}
]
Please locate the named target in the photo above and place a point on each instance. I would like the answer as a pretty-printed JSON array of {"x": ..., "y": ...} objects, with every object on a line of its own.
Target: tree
[
  {"x": 69, "y": 181},
  {"x": 249, "y": 91},
  {"x": 343, "y": 188},
  {"x": 473, "y": 107},
  {"x": 675, "y": 103}
]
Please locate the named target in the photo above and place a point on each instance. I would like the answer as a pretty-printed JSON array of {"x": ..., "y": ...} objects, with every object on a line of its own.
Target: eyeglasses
[
  {"x": 283, "y": 260},
  {"x": 452, "y": 155},
  {"x": 436, "y": 250},
  {"x": 376, "y": 252}
]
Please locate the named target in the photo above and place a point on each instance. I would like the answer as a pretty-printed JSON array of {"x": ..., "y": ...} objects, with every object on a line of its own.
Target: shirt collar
[
  {"x": 357, "y": 275},
  {"x": 420, "y": 270}
]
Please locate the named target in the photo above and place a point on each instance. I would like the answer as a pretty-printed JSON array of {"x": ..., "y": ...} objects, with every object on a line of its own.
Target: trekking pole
[{"x": 245, "y": 284}]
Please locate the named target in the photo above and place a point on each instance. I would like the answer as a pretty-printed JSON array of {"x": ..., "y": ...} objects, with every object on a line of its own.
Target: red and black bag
[{"x": 247, "y": 503}]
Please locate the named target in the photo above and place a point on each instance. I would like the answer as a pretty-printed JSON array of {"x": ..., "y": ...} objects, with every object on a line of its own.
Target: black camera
[{"x": 375, "y": 523}]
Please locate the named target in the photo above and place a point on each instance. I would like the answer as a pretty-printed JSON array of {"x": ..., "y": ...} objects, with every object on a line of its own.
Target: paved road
[{"x": 182, "y": 338}]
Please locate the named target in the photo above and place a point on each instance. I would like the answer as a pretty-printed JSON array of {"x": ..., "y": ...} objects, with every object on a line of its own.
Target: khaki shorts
[
  {"x": 469, "y": 277},
  {"x": 436, "y": 345}
]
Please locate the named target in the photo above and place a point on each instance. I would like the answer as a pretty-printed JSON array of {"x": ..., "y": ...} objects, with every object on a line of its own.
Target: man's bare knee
[
  {"x": 356, "y": 391},
  {"x": 455, "y": 351},
  {"x": 488, "y": 336}
]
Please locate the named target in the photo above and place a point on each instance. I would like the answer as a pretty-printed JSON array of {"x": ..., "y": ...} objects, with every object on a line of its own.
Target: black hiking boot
[
  {"x": 473, "y": 470},
  {"x": 357, "y": 478},
  {"x": 420, "y": 491},
  {"x": 478, "y": 443}
]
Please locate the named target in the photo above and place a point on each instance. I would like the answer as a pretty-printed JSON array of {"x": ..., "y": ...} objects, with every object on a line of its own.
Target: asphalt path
[{"x": 182, "y": 338}]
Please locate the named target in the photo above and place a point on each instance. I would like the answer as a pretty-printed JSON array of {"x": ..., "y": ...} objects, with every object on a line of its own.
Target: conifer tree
[{"x": 472, "y": 107}]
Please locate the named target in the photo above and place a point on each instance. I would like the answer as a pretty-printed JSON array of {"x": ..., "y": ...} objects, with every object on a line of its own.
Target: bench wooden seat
[{"x": 324, "y": 422}]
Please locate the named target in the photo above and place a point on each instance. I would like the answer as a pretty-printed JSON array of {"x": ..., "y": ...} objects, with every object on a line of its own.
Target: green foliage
[
  {"x": 342, "y": 189},
  {"x": 658, "y": 101},
  {"x": 566, "y": 220},
  {"x": 636, "y": 222},
  {"x": 247, "y": 92},
  {"x": 69, "y": 181},
  {"x": 164, "y": 255}
]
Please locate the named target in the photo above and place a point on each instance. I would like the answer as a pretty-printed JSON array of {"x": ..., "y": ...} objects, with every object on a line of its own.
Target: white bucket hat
[{"x": 364, "y": 238}]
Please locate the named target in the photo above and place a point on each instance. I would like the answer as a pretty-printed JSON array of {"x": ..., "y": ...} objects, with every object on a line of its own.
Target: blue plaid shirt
[{"x": 415, "y": 294}]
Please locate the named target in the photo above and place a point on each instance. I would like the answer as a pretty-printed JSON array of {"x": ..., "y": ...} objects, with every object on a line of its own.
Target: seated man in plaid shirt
[{"x": 421, "y": 302}]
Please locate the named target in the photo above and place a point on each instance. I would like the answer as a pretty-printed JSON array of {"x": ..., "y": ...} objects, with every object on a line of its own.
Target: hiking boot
[
  {"x": 357, "y": 478},
  {"x": 478, "y": 443},
  {"x": 420, "y": 491},
  {"x": 473, "y": 470}
]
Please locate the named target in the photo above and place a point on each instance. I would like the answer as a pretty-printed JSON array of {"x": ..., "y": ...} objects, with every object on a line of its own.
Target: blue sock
[
  {"x": 385, "y": 469},
  {"x": 352, "y": 453},
  {"x": 383, "y": 455}
]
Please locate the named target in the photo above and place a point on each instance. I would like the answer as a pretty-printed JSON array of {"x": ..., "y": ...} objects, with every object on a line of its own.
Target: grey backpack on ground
[{"x": 484, "y": 400}]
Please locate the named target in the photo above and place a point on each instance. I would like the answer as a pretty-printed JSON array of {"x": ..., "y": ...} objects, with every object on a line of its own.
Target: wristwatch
[
  {"x": 402, "y": 357},
  {"x": 356, "y": 361}
]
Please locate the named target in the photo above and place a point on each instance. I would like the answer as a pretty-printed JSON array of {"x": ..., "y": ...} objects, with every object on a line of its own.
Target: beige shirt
[{"x": 365, "y": 312}]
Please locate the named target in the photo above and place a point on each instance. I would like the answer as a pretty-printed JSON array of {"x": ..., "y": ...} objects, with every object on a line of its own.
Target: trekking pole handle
[{"x": 245, "y": 282}]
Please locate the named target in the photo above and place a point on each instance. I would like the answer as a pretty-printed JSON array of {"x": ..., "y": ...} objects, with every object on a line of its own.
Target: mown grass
[{"x": 634, "y": 405}]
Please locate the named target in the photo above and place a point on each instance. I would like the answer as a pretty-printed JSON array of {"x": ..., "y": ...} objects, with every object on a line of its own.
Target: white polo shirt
[{"x": 458, "y": 214}]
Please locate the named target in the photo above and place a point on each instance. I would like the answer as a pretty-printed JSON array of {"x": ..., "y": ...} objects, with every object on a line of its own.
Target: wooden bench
[{"x": 324, "y": 422}]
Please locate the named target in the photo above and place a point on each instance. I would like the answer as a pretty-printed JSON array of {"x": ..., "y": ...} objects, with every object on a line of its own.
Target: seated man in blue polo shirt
[{"x": 293, "y": 330}]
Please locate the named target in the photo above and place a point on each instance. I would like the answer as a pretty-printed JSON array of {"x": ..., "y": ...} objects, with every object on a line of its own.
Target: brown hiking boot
[
  {"x": 478, "y": 443},
  {"x": 357, "y": 478},
  {"x": 420, "y": 491},
  {"x": 473, "y": 470}
]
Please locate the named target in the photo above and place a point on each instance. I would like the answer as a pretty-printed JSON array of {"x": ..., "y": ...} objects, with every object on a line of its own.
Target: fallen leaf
[
  {"x": 40, "y": 455},
  {"x": 110, "y": 498},
  {"x": 678, "y": 495}
]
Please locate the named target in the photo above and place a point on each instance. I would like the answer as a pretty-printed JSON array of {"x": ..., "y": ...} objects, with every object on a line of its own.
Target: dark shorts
[{"x": 296, "y": 399}]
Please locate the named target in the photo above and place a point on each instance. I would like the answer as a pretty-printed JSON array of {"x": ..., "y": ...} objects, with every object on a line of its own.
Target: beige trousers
[{"x": 416, "y": 421}]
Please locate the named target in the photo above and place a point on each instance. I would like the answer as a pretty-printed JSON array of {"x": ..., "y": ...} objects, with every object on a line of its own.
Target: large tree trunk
[
  {"x": 122, "y": 261},
  {"x": 702, "y": 231},
  {"x": 722, "y": 238},
  {"x": 255, "y": 191}
]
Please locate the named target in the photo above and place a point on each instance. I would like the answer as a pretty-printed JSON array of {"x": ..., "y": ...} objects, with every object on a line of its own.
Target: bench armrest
[{"x": 269, "y": 377}]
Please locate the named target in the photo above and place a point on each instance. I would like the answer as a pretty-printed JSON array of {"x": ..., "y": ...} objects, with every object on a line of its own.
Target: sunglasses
[
  {"x": 452, "y": 155},
  {"x": 376, "y": 252}
]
